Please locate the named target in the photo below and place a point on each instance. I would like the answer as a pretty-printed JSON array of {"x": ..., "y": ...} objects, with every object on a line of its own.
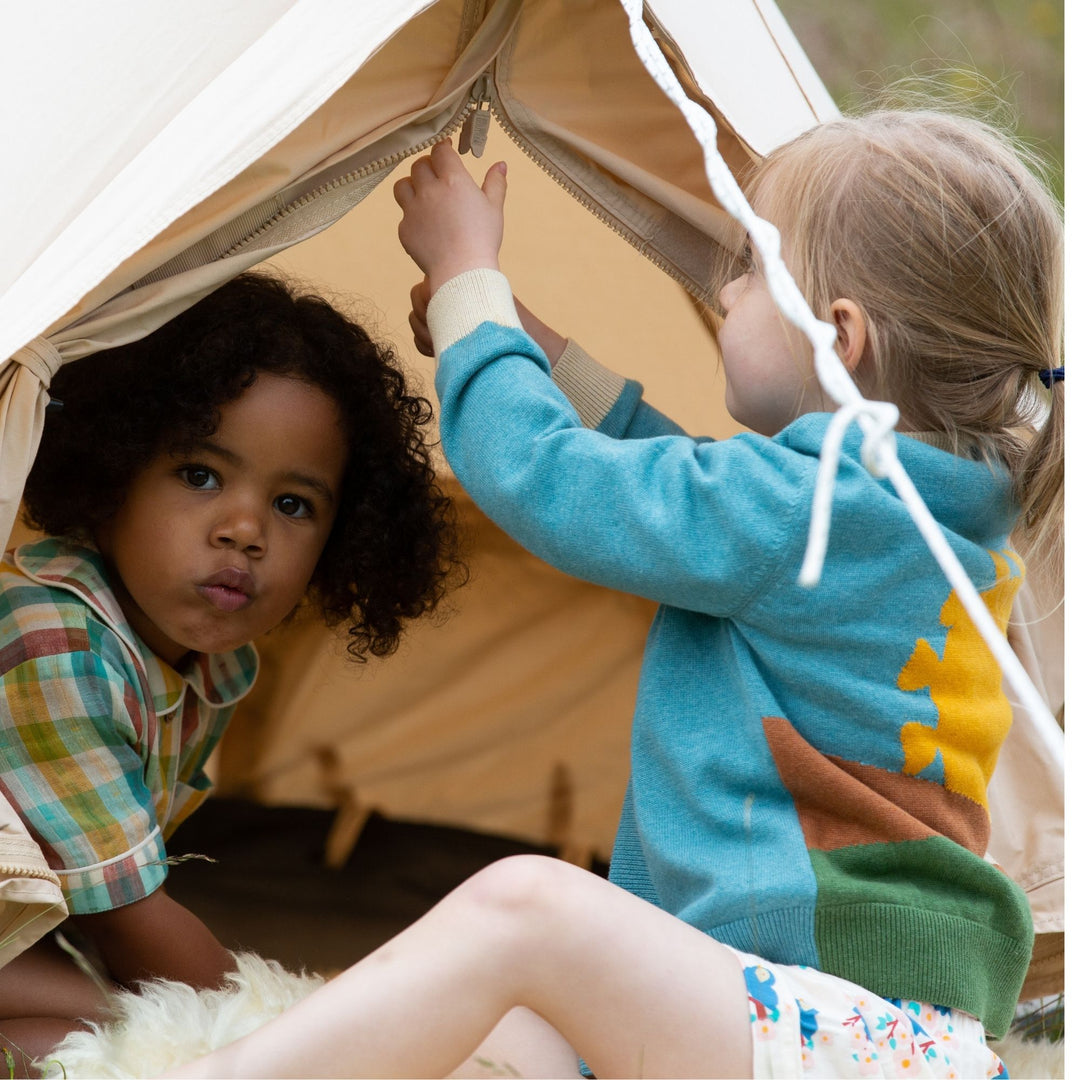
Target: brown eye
[
  {"x": 199, "y": 477},
  {"x": 293, "y": 506}
]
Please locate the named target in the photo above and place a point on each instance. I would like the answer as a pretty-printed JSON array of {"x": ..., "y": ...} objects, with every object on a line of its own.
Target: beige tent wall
[
  {"x": 569, "y": 267},
  {"x": 512, "y": 713}
]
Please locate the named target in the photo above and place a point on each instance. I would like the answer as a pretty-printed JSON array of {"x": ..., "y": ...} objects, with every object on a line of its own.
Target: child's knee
[{"x": 521, "y": 886}]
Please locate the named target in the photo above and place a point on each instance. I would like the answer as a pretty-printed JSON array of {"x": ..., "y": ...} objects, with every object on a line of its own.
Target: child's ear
[{"x": 851, "y": 338}]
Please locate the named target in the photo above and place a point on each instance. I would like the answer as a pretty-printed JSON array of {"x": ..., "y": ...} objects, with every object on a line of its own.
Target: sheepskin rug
[
  {"x": 167, "y": 1023},
  {"x": 1032, "y": 1059}
]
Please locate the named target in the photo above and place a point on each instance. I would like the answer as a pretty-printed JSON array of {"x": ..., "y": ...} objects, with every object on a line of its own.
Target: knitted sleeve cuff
[
  {"x": 465, "y": 302},
  {"x": 592, "y": 388}
]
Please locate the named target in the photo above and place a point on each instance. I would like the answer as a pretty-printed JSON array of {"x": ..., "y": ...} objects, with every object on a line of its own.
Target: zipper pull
[{"x": 474, "y": 131}]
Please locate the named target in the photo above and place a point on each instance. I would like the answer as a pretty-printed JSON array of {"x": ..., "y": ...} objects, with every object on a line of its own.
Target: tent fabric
[
  {"x": 1031, "y": 844},
  {"x": 281, "y": 127}
]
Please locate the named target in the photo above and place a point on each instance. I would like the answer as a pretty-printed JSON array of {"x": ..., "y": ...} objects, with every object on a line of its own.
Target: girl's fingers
[
  {"x": 405, "y": 188},
  {"x": 445, "y": 160},
  {"x": 421, "y": 335},
  {"x": 422, "y": 170},
  {"x": 494, "y": 186},
  {"x": 420, "y": 297}
]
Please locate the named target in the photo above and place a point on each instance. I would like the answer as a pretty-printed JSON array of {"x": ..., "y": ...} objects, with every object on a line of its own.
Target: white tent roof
[
  {"x": 191, "y": 141},
  {"x": 124, "y": 137}
]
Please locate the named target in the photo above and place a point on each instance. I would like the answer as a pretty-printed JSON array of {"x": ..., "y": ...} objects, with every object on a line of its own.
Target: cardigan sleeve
[
  {"x": 700, "y": 525},
  {"x": 606, "y": 400}
]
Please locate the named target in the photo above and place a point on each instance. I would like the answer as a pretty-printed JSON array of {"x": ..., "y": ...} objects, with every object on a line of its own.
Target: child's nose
[{"x": 242, "y": 528}]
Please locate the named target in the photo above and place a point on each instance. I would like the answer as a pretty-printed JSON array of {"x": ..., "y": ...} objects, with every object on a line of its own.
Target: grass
[
  {"x": 1047, "y": 1021},
  {"x": 973, "y": 50}
]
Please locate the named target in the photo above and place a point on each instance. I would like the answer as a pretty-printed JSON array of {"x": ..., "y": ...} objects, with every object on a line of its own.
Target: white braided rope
[{"x": 876, "y": 418}]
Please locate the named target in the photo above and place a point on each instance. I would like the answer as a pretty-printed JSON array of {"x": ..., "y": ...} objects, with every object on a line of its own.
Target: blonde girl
[{"x": 798, "y": 885}]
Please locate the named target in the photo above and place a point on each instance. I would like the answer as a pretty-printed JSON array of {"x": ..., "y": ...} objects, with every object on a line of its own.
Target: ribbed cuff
[
  {"x": 465, "y": 302},
  {"x": 592, "y": 388}
]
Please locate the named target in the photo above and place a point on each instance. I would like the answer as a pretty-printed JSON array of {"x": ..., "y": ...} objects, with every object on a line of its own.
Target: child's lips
[{"x": 228, "y": 590}]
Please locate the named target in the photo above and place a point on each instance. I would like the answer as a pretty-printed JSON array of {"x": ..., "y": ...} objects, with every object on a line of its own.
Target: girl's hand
[{"x": 449, "y": 225}]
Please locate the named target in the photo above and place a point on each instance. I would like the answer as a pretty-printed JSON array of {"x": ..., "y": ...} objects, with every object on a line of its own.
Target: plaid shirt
[{"x": 103, "y": 746}]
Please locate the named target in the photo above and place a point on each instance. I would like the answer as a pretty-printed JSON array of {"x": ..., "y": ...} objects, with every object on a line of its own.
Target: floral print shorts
[{"x": 807, "y": 1023}]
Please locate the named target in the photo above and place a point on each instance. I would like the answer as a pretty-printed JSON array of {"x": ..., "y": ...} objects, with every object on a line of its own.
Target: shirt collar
[{"x": 78, "y": 567}]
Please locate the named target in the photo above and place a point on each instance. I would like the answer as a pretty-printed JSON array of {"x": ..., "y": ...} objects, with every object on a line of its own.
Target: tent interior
[{"x": 351, "y": 797}]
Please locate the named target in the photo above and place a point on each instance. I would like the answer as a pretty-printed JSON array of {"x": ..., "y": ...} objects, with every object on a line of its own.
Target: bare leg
[
  {"x": 43, "y": 996},
  {"x": 634, "y": 990},
  {"x": 30, "y": 1039},
  {"x": 522, "y": 1044}
]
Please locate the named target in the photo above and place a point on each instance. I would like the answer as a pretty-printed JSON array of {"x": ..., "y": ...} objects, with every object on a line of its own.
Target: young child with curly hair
[{"x": 258, "y": 452}]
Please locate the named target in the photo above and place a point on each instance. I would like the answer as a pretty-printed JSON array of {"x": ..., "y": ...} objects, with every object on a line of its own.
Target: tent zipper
[
  {"x": 474, "y": 130},
  {"x": 472, "y": 16},
  {"x": 586, "y": 200},
  {"x": 473, "y": 121},
  {"x": 378, "y": 165}
]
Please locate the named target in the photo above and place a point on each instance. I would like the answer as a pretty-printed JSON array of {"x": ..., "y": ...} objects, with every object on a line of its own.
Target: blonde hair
[{"x": 936, "y": 226}]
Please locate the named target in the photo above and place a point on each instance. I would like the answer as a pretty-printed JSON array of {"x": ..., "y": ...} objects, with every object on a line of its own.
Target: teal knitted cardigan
[{"x": 809, "y": 766}]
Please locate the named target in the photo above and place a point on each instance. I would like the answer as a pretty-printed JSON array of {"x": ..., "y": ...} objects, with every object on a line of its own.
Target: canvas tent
[{"x": 276, "y": 119}]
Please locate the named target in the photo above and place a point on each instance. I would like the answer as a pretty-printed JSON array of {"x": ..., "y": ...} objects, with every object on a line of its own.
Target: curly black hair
[{"x": 391, "y": 554}]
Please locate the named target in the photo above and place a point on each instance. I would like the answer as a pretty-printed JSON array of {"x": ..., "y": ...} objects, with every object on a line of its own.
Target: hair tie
[{"x": 1049, "y": 376}]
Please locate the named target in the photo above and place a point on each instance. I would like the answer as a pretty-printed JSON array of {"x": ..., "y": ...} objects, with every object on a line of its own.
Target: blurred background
[{"x": 1015, "y": 47}]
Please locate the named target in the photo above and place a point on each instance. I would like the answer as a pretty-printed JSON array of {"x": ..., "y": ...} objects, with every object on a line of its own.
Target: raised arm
[{"x": 634, "y": 504}]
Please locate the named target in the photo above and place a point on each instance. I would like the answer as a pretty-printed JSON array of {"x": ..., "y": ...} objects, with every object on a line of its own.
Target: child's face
[
  {"x": 767, "y": 363},
  {"x": 214, "y": 547}
]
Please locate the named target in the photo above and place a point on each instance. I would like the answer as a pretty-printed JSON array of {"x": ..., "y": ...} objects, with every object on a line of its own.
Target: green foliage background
[{"x": 1014, "y": 48}]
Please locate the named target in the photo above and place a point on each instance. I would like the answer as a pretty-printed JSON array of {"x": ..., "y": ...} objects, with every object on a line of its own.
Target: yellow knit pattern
[{"x": 965, "y": 684}]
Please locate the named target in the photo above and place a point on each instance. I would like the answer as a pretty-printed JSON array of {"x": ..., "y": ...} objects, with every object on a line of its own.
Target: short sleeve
[{"x": 70, "y": 763}]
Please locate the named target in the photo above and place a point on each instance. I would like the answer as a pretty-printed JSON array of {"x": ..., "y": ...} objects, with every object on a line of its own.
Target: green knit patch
[{"x": 924, "y": 919}]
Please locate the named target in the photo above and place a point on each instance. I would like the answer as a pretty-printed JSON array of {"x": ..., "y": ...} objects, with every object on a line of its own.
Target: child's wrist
[
  {"x": 465, "y": 301},
  {"x": 439, "y": 274}
]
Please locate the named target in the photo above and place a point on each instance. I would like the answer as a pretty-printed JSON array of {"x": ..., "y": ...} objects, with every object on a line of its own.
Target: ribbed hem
[
  {"x": 467, "y": 301},
  {"x": 926, "y": 956},
  {"x": 757, "y": 934},
  {"x": 592, "y": 388},
  {"x": 890, "y": 950}
]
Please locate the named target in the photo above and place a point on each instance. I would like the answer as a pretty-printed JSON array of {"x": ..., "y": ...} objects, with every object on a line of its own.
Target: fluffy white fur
[
  {"x": 1037, "y": 1059},
  {"x": 167, "y": 1023}
]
